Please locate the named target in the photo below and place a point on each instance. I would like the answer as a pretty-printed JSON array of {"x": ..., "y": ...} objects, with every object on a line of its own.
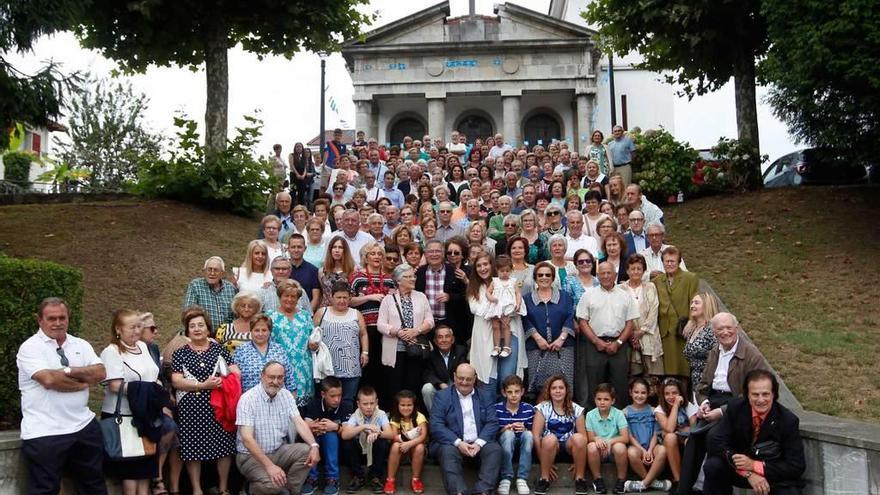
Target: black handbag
[
  {"x": 121, "y": 437},
  {"x": 421, "y": 349},
  {"x": 767, "y": 450}
]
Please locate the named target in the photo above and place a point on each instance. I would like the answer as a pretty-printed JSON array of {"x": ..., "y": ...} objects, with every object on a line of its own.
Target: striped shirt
[
  {"x": 524, "y": 414},
  {"x": 270, "y": 417}
]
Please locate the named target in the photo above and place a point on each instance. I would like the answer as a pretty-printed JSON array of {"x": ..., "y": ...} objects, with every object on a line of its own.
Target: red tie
[{"x": 756, "y": 427}]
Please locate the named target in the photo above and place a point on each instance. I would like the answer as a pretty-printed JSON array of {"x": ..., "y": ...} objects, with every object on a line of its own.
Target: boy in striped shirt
[{"x": 515, "y": 431}]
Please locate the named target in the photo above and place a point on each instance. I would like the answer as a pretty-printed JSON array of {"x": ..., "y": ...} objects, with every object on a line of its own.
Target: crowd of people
[{"x": 449, "y": 301}]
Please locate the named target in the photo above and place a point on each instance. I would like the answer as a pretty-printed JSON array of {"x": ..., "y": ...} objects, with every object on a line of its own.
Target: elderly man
[
  {"x": 372, "y": 190},
  {"x": 392, "y": 220},
  {"x": 438, "y": 371},
  {"x": 472, "y": 214},
  {"x": 637, "y": 201},
  {"x": 352, "y": 234},
  {"x": 212, "y": 292},
  {"x": 283, "y": 206},
  {"x": 281, "y": 269},
  {"x": 654, "y": 252},
  {"x": 446, "y": 228},
  {"x": 736, "y": 456},
  {"x": 622, "y": 151},
  {"x": 636, "y": 238},
  {"x": 500, "y": 147},
  {"x": 375, "y": 227},
  {"x": 463, "y": 428},
  {"x": 529, "y": 199},
  {"x": 264, "y": 416},
  {"x": 437, "y": 280},
  {"x": 377, "y": 166},
  {"x": 59, "y": 433},
  {"x": 456, "y": 147},
  {"x": 511, "y": 185},
  {"x": 605, "y": 318},
  {"x": 576, "y": 237}
]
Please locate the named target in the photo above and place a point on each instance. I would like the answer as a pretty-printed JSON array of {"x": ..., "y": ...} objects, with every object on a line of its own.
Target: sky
[{"x": 286, "y": 93}]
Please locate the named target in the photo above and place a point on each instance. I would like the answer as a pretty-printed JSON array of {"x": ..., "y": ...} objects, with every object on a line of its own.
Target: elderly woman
[
  {"x": 369, "y": 287},
  {"x": 253, "y": 355},
  {"x": 676, "y": 288},
  {"x": 497, "y": 222},
  {"x": 202, "y": 436},
  {"x": 403, "y": 317},
  {"x": 553, "y": 221},
  {"x": 212, "y": 292},
  {"x": 245, "y": 305},
  {"x": 315, "y": 245},
  {"x": 700, "y": 339},
  {"x": 338, "y": 266},
  {"x": 271, "y": 226},
  {"x": 344, "y": 332},
  {"x": 614, "y": 251},
  {"x": 647, "y": 355},
  {"x": 253, "y": 274},
  {"x": 491, "y": 371},
  {"x": 585, "y": 277},
  {"x": 604, "y": 228},
  {"x": 558, "y": 245},
  {"x": 476, "y": 234},
  {"x": 530, "y": 230},
  {"x": 292, "y": 327},
  {"x": 549, "y": 329}
]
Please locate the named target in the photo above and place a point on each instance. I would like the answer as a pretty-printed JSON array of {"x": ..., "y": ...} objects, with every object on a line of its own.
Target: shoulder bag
[
  {"x": 422, "y": 347},
  {"x": 121, "y": 439}
]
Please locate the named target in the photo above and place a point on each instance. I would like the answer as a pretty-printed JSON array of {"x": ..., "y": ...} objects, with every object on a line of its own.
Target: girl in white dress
[{"x": 504, "y": 301}]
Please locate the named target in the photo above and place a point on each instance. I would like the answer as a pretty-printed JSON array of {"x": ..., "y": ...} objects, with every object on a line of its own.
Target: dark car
[{"x": 813, "y": 166}]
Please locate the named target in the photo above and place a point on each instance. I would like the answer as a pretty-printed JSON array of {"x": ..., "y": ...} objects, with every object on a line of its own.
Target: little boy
[
  {"x": 515, "y": 431},
  {"x": 608, "y": 434},
  {"x": 324, "y": 414},
  {"x": 367, "y": 433}
]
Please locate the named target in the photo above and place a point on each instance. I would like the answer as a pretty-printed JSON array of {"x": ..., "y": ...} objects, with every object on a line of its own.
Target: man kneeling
[{"x": 264, "y": 413}]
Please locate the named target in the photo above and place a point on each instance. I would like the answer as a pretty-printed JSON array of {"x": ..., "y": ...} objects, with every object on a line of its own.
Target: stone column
[
  {"x": 511, "y": 117},
  {"x": 584, "y": 120},
  {"x": 364, "y": 117},
  {"x": 436, "y": 116}
]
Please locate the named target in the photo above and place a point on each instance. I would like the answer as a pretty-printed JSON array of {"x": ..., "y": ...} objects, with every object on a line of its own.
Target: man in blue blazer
[{"x": 464, "y": 428}]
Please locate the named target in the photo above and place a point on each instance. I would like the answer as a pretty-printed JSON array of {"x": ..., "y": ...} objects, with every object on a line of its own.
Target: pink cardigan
[{"x": 389, "y": 320}]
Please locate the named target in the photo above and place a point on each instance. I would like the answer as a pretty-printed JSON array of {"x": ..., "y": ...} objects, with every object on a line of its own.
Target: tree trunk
[
  {"x": 747, "y": 113},
  {"x": 217, "y": 79}
]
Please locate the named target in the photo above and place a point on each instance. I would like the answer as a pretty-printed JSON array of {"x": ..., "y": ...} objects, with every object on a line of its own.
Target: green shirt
[{"x": 609, "y": 427}]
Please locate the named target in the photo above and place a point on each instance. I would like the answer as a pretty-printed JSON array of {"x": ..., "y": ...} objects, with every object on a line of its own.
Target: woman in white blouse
[{"x": 253, "y": 274}]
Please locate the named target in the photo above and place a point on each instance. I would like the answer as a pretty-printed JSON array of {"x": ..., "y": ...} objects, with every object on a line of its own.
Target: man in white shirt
[
  {"x": 267, "y": 458},
  {"x": 463, "y": 427},
  {"x": 371, "y": 189},
  {"x": 353, "y": 235},
  {"x": 654, "y": 252},
  {"x": 576, "y": 237},
  {"x": 456, "y": 148},
  {"x": 637, "y": 201},
  {"x": 58, "y": 431},
  {"x": 500, "y": 147},
  {"x": 376, "y": 165},
  {"x": 636, "y": 238}
]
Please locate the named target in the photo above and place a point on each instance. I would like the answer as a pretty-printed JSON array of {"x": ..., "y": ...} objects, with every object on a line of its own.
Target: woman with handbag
[
  {"x": 369, "y": 286},
  {"x": 404, "y": 320},
  {"x": 675, "y": 290},
  {"x": 344, "y": 332},
  {"x": 127, "y": 360},
  {"x": 194, "y": 376}
]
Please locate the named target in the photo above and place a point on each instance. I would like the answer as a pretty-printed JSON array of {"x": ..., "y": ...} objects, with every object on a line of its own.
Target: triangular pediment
[
  {"x": 428, "y": 23},
  {"x": 523, "y": 24}
]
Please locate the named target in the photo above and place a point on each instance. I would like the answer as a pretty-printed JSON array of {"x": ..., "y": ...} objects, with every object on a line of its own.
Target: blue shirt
[
  {"x": 395, "y": 196},
  {"x": 524, "y": 414},
  {"x": 548, "y": 319},
  {"x": 331, "y": 154},
  {"x": 622, "y": 150},
  {"x": 307, "y": 276},
  {"x": 642, "y": 424},
  {"x": 251, "y": 361}
]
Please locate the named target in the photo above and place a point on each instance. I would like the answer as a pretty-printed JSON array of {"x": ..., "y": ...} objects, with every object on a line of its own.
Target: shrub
[
  {"x": 18, "y": 167},
  {"x": 232, "y": 180},
  {"x": 741, "y": 160},
  {"x": 23, "y": 284},
  {"x": 664, "y": 164}
]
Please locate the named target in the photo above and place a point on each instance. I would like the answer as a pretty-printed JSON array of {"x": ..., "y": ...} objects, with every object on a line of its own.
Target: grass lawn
[{"x": 796, "y": 266}]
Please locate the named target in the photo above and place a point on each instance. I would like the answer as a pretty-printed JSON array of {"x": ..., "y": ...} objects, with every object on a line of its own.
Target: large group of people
[{"x": 452, "y": 301}]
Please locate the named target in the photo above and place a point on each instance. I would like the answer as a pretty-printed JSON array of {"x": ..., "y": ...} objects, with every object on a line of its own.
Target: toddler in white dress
[{"x": 504, "y": 302}]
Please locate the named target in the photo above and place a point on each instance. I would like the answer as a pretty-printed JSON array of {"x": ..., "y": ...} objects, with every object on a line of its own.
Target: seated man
[
  {"x": 464, "y": 427},
  {"x": 263, "y": 416},
  {"x": 444, "y": 358},
  {"x": 757, "y": 444}
]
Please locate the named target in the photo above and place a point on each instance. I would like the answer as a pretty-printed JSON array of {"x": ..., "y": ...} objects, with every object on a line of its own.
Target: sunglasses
[
  {"x": 544, "y": 275},
  {"x": 553, "y": 213},
  {"x": 511, "y": 225},
  {"x": 152, "y": 328},
  {"x": 453, "y": 253},
  {"x": 584, "y": 262},
  {"x": 64, "y": 362}
]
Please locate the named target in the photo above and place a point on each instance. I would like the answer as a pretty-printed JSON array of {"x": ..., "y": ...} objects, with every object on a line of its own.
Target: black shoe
[
  {"x": 599, "y": 486},
  {"x": 618, "y": 487},
  {"x": 355, "y": 485},
  {"x": 377, "y": 486},
  {"x": 542, "y": 486},
  {"x": 674, "y": 488},
  {"x": 581, "y": 487}
]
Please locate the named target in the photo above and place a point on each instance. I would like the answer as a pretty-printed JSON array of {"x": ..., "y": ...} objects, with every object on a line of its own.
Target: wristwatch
[
  {"x": 315, "y": 445},
  {"x": 619, "y": 342},
  {"x": 66, "y": 370}
]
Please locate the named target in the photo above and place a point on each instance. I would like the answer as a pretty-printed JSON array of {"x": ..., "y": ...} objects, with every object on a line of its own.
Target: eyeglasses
[
  {"x": 445, "y": 211},
  {"x": 64, "y": 362},
  {"x": 213, "y": 270},
  {"x": 544, "y": 275},
  {"x": 511, "y": 225},
  {"x": 553, "y": 213},
  {"x": 585, "y": 262},
  {"x": 392, "y": 258},
  {"x": 152, "y": 328},
  {"x": 453, "y": 253}
]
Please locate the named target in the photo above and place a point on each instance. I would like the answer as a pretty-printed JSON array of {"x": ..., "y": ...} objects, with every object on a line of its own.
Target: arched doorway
[
  {"x": 541, "y": 127},
  {"x": 475, "y": 126},
  {"x": 407, "y": 125}
]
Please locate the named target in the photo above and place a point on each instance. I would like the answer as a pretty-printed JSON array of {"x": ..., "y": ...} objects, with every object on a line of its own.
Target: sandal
[
  {"x": 157, "y": 487},
  {"x": 505, "y": 351}
]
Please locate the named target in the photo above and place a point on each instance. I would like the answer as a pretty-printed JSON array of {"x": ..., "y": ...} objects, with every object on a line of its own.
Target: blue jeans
[
  {"x": 349, "y": 391},
  {"x": 506, "y": 366},
  {"x": 329, "y": 443},
  {"x": 509, "y": 443}
]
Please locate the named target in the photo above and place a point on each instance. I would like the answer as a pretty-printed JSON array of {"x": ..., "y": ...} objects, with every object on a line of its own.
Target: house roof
[{"x": 348, "y": 136}]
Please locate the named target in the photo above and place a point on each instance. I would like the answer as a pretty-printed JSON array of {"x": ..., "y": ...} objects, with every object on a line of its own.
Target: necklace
[{"x": 134, "y": 349}]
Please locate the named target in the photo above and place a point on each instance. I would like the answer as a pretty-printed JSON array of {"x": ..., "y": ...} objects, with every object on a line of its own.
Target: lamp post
[
  {"x": 611, "y": 90},
  {"x": 323, "y": 56}
]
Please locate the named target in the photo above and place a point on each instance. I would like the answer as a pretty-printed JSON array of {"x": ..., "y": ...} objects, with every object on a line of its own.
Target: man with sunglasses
[{"x": 59, "y": 433}]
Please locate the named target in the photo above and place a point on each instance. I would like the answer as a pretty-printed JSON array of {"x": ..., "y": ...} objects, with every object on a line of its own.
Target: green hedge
[
  {"x": 17, "y": 166},
  {"x": 23, "y": 284}
]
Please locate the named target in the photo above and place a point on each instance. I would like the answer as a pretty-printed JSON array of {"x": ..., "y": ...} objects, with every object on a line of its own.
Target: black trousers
[
  {"x": 355, "y": 457},
  {"x": 78, "y": 456},
  {"x": 721, "y": 478},
  {"x": 406, "y": 374}
]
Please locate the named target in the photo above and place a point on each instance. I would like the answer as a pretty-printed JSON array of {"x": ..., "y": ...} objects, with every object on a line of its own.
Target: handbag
[
  {"x": 322, "y": 362},
  {"x": 767, "y": 450},
  {"x": 121, "y": 439},
  {"x": 421, "y": 348}
]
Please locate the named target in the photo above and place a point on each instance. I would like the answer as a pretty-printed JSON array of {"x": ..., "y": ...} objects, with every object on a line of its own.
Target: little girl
[
  {"x": 505, "y": 301},
  {"x": 674, "y": 416},
  {"x": 646, "y": 457},
  {"x": 410, "y": 429}
]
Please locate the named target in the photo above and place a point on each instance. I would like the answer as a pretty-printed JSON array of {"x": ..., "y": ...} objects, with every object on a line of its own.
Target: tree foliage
[
  {"x": 823, "y": 70},
  {"x": 108, "y": 135}
]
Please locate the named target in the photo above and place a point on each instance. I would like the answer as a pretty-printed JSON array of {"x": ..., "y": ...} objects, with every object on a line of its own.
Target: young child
[
  {"x": 409, "y": 429},
  {"x": 674, "y": 416},
  {"x": 646, "y": 458},
  {"x": 609, "y": 436},
  {"x": 515, "y": 419},
  {"x": 559, "y": 425},
  {"x": 505, "y": 301},
  {"x": 366, "y": 433},
  {"x": 324, "y": 414}
]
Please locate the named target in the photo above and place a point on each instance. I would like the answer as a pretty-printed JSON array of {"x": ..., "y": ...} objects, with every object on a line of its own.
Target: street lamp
[{"x": 323, "y": 56}]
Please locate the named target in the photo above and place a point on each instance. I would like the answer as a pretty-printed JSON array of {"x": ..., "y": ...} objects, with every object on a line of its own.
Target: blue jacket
[{"x": 446, "y": 417}]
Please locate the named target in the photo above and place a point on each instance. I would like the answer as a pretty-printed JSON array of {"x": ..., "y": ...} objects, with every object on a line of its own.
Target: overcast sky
[{"x": 287, "y": 92}]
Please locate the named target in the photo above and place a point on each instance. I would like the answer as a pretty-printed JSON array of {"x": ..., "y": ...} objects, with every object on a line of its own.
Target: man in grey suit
[{"x": 464, "y": 428}]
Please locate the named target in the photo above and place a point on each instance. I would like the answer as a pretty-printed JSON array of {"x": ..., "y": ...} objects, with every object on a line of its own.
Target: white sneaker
[
  {"x": 504, "y": 352},
  {"x": 664, "y": 485},
  {"x": 504, "y": 487},
  {"x": 495, "y": 352},
  {"x": 522, "y": 487},
  {"x": 634, "y": 486}
]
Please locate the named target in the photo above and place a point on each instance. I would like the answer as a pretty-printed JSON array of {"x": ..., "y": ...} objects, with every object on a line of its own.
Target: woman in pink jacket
[{"x": 403, "y": 317}]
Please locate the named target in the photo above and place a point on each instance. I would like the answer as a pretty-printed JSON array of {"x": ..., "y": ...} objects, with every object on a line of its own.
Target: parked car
[{"x": 813, "y": 166}]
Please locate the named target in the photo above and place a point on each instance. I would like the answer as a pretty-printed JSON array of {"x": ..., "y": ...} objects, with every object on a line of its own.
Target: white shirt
[
  {"x": 607, "y": 311},
  {"x": 585, "y": 241},
  {"x": 373, "y": 193},
  {"x": 49, "y": 412},
  {"x": 131, "y": 368},
  {"x": 468, "y": 420},
  {"x": 719, "y": 381},
  {"x": 655, "y": 260},
  {"x": 652, "y": 212},
  {"x": 355, "y": 243}
]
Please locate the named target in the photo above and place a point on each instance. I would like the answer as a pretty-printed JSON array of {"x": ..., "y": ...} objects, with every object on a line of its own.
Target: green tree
[
  {"x": 194, "y": 32},
  {"x": 108, "y": 135},
  {"x": 823, "y": 71},
  {"x": 703, "y": 43},
  {"x": 32, "y": 98}
]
